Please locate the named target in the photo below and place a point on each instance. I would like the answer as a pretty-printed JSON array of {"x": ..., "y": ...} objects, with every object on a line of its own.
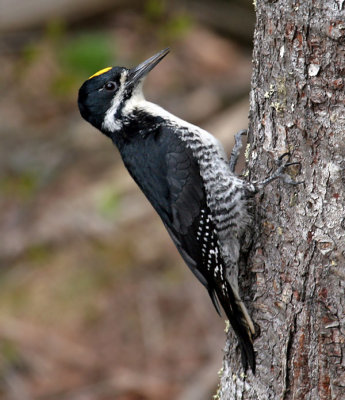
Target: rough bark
[{"x": 296, "y": 268}]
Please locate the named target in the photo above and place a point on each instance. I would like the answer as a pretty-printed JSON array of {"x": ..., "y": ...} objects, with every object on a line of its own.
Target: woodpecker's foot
[
  {"x": 280, "y": 172},
  {"x": 236, "y": 149}
]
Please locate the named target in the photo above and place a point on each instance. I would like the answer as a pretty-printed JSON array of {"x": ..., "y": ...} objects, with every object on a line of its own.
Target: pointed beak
[{"x": 139, "y": 72}]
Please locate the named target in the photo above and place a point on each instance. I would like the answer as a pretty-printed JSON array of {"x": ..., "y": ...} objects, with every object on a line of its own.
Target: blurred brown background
[{"x": 95, "y": 302}]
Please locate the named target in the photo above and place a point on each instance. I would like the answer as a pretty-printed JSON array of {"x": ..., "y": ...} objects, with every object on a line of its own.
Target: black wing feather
[{"x": 169, "y": 175}]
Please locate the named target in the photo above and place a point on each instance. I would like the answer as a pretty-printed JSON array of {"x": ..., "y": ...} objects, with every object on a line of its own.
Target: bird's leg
[
  {"x": 236, "y": 149},
  {"x": 280, "y": 173}
]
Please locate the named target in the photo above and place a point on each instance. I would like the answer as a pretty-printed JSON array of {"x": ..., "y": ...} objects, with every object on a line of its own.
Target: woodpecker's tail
[{"x": 241, "y": 323}]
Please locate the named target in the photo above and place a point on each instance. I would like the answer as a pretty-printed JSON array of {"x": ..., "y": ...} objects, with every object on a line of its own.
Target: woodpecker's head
[{"x": 104, "y": 95}]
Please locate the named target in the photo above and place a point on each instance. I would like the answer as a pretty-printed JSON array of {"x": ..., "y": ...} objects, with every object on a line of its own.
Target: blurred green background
[{"x": 95, "y": 302}]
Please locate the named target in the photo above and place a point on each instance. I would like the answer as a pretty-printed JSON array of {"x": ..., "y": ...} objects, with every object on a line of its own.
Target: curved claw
[
  {"x": 292, "y": 163},
  {"x": 287, "y": 153},
  {"x": 241, "y": 133}
]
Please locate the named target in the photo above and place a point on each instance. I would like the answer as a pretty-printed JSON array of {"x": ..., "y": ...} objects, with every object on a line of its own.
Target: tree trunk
[{"x": 294, "y": 278}]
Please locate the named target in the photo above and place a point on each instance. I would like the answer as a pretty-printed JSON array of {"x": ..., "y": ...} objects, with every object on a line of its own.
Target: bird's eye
[{"x": 110, "y": 86}]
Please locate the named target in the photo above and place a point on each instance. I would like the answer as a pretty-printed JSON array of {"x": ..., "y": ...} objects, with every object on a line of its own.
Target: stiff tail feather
[{"x": 241, "y": 323}]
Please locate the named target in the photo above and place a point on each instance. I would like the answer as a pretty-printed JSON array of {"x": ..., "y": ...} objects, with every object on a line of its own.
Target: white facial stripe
[{"x": 110, "y": 123}]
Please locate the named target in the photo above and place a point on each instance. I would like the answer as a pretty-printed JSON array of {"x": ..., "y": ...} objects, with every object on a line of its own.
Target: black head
[
  {"x": 104, "y": 94},
  {"x": 96, "y": 94}
]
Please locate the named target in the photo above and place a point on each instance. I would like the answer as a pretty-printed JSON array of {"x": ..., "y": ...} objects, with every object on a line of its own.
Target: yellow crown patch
[{"x": 100, "y": 72}]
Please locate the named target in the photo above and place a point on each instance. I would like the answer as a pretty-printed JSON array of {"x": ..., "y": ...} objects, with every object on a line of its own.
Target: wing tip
[{"x": 247, "y": 355}]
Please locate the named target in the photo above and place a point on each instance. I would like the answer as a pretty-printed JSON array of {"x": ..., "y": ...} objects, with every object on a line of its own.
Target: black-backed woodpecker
[{"x": 184, "y": 173}]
